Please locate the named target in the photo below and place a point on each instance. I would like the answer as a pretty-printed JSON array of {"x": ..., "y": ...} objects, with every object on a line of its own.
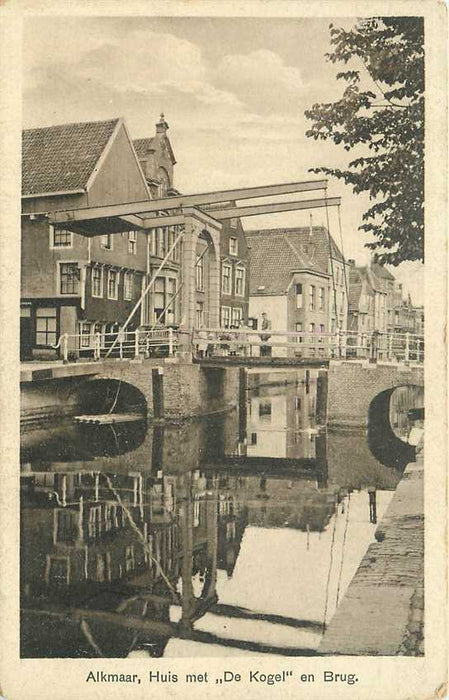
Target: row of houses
[{"x": 88, "y": 285}]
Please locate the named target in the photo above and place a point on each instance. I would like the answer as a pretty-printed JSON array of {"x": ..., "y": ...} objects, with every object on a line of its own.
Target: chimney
[
  {"x": 162, "y": 126},
  {"x": 374, "y": 258}
]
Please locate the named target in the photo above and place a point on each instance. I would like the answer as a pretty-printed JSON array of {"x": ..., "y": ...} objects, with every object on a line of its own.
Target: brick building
[
  {"x": 71, "y": 283},
  {"x": 87, "y": 285},
  {"x": 298, "y": 279}
]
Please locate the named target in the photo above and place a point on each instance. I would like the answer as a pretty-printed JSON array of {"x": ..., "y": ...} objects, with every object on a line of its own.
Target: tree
[{"x": 381, "y": 117}]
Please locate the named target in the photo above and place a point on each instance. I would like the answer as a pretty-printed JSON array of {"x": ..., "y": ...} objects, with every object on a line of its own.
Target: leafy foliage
[{"x": 385, "y": 125}]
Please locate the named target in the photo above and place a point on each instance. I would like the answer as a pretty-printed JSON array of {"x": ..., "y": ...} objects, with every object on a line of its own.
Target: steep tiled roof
[
  {"x": 62, "y": 158},
  {"x": 381, "y": 271},
  {"x": 273, "y": 256},
  {"x": 355, "y": 284},
  {"x": 141, "y": 146},
  {"x": 301, "y": 235}
]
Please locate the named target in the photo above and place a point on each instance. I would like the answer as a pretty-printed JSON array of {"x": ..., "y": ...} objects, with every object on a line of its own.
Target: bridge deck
[{"x": 242, "y": 361}]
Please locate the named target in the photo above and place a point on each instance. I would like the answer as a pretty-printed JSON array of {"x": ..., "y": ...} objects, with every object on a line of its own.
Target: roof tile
[{"x": 62, "y": 158}]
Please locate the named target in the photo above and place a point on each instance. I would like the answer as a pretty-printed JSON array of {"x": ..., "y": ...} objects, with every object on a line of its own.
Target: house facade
[
  {"x": 235, "y": 274},
  {"x": 88, "y": 286},
  {"x": 290, "y": 285},
  {"x": 71, "y": 283},
  {"x": 298, "y": 280}
]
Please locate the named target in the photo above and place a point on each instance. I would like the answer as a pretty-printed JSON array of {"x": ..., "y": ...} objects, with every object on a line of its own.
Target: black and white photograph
[{"x": 223, "y": 339}]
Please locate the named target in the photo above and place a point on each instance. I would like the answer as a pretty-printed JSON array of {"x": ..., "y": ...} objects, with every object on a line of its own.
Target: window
[
  {"x": 128, "y": 285},
  {"x": 153, "y": 242},
  {"x": 46, "y": 326},
  {"x": 69, "y": 275},
  {"x": 265, "y": 408},
  {"x": 312, "y": 330},
  {"x": 320, "y": 339},
  {"x": 240, "y": 281},
  {"x": 226, "y": 279},
  {"x": 161, "y": 242},
  {"x": 298, "y": 294},
  {"x": 132, "y": 242},
  {"x": 199, "y": 314},
  {"x": 159, "y": 297},
  {"x": 97, "y": 281},
  {"x": 299, "y": 339},
  {"x": 60, "y": 238},
  {"x": 312, "y": 297},
  {"x": 106, "y": 241},
  {"x": 85, "y": 328},
  {"x": 233, "y": 246},
  {"x": 112, "y": 284},
  {"x": 199, "y": 268},
  {"x": 225, "y": 316},
  {"x": 321, "y": 299},
  {"x": 171, "y": 291},
  {"x": 237, "y": 315}
]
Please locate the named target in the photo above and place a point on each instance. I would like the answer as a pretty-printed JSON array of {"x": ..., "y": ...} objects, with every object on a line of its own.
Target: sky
[{"x": 233, "y": 91}]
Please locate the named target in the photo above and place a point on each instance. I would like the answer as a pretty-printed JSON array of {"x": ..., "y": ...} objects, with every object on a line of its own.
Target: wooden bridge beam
[{"x": 178, "y": 202}]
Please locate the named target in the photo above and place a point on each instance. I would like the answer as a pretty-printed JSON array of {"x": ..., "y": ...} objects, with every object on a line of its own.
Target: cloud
[{"x": 262, "y": 78}]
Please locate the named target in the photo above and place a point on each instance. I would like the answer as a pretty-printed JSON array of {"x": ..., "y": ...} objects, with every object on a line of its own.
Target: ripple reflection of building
[
  {"x": 281, "y": 420},
  {"x": 93, "y": 539}
]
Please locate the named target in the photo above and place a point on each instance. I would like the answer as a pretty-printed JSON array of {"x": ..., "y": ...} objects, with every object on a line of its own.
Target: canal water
[{"x": 234, "y": 534}]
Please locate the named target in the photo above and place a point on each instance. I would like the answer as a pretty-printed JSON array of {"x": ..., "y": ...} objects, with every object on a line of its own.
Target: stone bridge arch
[
  {"x": 352, "y": 386},
  {"x": 383, "y": 442}
]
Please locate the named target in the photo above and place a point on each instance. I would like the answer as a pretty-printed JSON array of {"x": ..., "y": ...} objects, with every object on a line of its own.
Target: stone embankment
[{"x": 382, "y": 613}]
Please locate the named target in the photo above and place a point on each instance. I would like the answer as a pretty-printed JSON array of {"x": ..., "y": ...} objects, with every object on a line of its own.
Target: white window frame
[
  {"x": 233, "y": 245},
  {"x": 105, "y": 239},
  {"x": 58, "y": 281},
  {"x": 312, "y": 297},
  {"x": 132, "y": 242},
  {"x": 117, "y": 279},
  {"x": 52, "y": 231},
  {"x": 223, "y": 267},
  {"x": 46, "y": 331},
  {"x": 88, "y": 336},
  {"x": 127, "y": 296},
  {"x": 236, "y": 318},
  {"x": 228, "y": 309},
  {"x": 299, "y": 297},
  {"x": 321, "y": 298},
  {"x": 97, "y": 296},
  {"x": 199, "y": 273},
  {"x": 240, "y": 268},
  {"x": 199, "y": 314}
]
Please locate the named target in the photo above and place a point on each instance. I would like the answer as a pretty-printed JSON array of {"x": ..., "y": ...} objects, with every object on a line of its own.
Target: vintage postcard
[{"x": 223, "y": 305}]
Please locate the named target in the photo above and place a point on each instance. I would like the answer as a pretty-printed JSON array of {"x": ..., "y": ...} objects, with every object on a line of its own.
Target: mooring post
[
  {"x": 243, "y": 390},
  {"x": 157, "y": 376}
]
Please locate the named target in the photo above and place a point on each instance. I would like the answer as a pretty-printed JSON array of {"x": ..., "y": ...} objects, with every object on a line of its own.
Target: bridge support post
[
  {"x": 157, "y": 376},
  {"x": 243, "y": 387}
]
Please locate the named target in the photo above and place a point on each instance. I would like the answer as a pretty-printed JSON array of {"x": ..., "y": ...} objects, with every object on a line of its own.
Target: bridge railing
[
  {"x": 374, "y": 345},
  {"x": 119, "y": 344},
  {"x": 219, "y": 342}
]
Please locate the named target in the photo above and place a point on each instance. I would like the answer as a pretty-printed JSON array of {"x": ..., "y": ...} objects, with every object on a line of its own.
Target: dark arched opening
[{"x": 384, "y": 443}]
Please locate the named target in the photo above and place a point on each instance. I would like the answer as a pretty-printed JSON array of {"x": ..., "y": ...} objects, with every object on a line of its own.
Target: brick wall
[{"x": 352, "y": 387}]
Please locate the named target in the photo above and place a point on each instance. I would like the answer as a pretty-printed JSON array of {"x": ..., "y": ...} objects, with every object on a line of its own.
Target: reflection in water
[{"x": 201, "y": 539}]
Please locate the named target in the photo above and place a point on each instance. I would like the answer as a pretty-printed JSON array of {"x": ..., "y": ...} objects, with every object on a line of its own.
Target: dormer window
[{"x": 233, "y": 246}]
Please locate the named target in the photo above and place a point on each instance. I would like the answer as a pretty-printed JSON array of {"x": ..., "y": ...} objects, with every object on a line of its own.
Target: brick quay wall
[{"x": 382, "y": 612}]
